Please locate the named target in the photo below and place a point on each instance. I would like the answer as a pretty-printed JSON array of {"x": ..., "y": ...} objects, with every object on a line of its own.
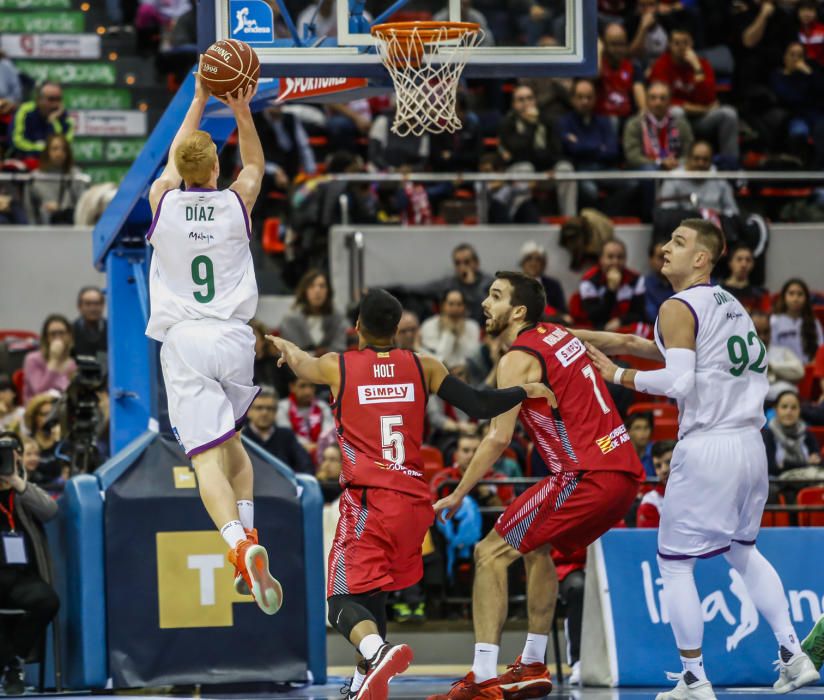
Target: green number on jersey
[
  {"x": 739, "y": 351},
  {"x": 203, "y": 274}
]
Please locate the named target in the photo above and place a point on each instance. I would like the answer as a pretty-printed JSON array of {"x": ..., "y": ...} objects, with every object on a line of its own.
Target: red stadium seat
[
  {"x": 432, "y": 461},
  {"x": 818, "y": 433},
  {"x": 776, "y": 518},
  {"x": 18, "y": 380},
  {"x": 811, "y": 496},
  {"x": 272, "y": 242},
  {"x": 818, "y": 310},
  {"x": 806, "y": 387},
  {"x": 665, "y": 429},
  {"x": 665, "y": 411}
]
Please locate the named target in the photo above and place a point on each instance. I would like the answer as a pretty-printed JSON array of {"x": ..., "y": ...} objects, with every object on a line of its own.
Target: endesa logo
[
  {"x": 252, "y": 21},
  {"x": 386, "y": 393}
]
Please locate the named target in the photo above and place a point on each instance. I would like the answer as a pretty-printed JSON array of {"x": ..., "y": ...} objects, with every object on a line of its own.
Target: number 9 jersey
[
  {"x": 202, "y": 267},
  {"x": 730, "y": 365}
]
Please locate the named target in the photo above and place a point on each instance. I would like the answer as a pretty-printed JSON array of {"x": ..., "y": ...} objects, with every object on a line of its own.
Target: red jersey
[
  {"x": 682, "y": 82},
  {"x": 812, "y": 39},
  {"x": 614, "y": 89},
  {"x": 380, "y": 412},
  {"x": 585, "y": 432}
]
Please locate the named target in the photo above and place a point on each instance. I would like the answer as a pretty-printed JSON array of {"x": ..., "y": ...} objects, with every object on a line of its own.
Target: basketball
[{"x": 229, "y": 66}]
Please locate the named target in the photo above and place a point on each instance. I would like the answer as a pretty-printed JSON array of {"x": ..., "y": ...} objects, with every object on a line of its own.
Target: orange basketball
[{"x": 228, "y": 66}]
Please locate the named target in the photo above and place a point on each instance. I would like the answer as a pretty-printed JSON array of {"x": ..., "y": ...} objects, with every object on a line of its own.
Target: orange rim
[{"x": 424, "y": 31}]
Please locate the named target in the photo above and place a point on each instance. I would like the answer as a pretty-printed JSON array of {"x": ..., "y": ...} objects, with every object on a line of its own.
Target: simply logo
[
  {"x": 252, "y": 21},
  {"x": 386, "y": 393},
  {"x": 740, "y": 613}
]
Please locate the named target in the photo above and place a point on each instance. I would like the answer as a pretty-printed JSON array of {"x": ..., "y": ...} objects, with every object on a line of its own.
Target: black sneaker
[{"x": 13, "y": 679}]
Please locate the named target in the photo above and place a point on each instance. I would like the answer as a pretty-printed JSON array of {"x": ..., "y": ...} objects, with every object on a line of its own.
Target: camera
[{"x": 9, "y": 445}]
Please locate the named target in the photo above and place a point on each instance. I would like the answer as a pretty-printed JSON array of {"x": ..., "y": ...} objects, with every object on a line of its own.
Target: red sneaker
[
  {"x": 525, "y": 681},
  {"x": 252, "y": 563},
  {"x": 389, "y": 661},
  {"x": 467, "y": 689},
  {"x": 240, "y": 584}
]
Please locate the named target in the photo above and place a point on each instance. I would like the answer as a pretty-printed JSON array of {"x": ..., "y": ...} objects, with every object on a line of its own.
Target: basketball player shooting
[
  {"x": 203, "y": 292},
  {"x": 385, "y": 511},
  {"x": 593, "y": 480},
  {"x": 718, "y": 485}
]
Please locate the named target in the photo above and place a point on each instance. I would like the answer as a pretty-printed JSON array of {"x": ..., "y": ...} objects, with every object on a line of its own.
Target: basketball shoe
[
  {"x": 389, "y": 661},
  {"x": 813, "y": 645},
  {"x": 241, "y": 588},
  {"x": 252, "y": 562},
  {"x": 688, "y": 688},
  {"x": 794, "y": 673},
  {"x": 467, "y": 689},
  {"x": 523, "y": 681}
]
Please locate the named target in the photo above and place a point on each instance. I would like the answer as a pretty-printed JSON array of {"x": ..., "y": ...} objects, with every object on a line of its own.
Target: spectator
[
  {"x": 620, "y": 82},
  {"x": 552, "y": 94},
  {"x": 533, "y": 264},
  {"x": 584, "y": 236},
  {"x": 388, "y": 150},
  {"x": 328, "y": 473},
  {"x": 459, "y": 151},
  {"x": 34, "y": 121},
  {"x": 789, "y": 444},
  {"x": 451, "y": 336},
  {"x": 447, "y": 422},
  {"x": 639, "y": 427},
  {"x": 716, "y": 196},
  {"x": 588, "y": 140},
  {"x": 31, "y": 461},
  {"x": 12, "y": 198},
  {"x": 784, "y": 368},
  {"x": 90, "y": 329},
  {"x": 794, "y": 325},
  {"x": 25, "y": 581},
  {"x": 741, "y": 263},
  {"x": 612, "y": 295},
  {"x": 312, "y": 323},
  {"x": 649, "y": 35},
  {"x": 525, "y": 134},
  {"x": 50, "y": 367},
  {"x": 692, "y": 81},
  {"x": 810, "y": 31},
  {"x": 649, "y": 512},
  {"x": 285, "y": 144},
  {"x": 513, "y": 201},
  {"x": 570, "y": 569},
  {"x": 56, "y": 186},
  {"x": 470, "y": 14},
  {"x": 11, "y": 415},
  {"x": 657, "y": 288},
  {"x": 818, "y": 373},
  {"x": 266, "y": 371},
  {"x": 482, "y": 365},
  {"x": 11, "y": 94},
  {"x": 408, "y": 336},
  {"x": 40, "y": 423},
  {"x": 321, "y": 18},
  {"x": 304, "y": 414},
  {"x": 277, "y": 440},
  {"x": 484, "y": 494}
]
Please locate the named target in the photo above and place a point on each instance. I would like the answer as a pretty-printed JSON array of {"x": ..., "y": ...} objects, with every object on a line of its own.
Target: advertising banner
[
  {"x": 251, "y": 21},
  {"x": 88, "y": 150},
  {"x": 109, "y": 122},
  {"x": 35, "y": 4},
  {"x": 42, "y": 22},
  {"x": 97, "y": 98},
  {"x": 70, "y": 73},
  {"x": 66, "y": 46},
  {"x": 627, "y": 638}
]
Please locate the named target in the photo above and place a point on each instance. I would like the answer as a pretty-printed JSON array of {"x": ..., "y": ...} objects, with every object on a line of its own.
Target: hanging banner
[
  {"x": 109, "y": 122},
  {"x": 42, "y": 22},
  {"x": 51, "y": 45},
  {"x": 70, "y": 73}
]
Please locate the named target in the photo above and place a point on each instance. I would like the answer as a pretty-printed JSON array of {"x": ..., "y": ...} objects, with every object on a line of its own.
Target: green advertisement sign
[
  {"x": 42, "y": 22},
  {"x": 111, "y": 150},
  {"x": 35, "y": 4},
  {"x": 106, "y": 173},
  {"x": 87, "y": 150},
  {"x": 91, "y": 98},
  {"x": 69, "y": 73}
]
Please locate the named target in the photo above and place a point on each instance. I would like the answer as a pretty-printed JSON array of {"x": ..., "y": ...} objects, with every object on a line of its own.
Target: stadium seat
[
  {"x": 811, "y": 496},
  {"x": 14, "y": 334},
  {"x": 659, "y": 410},
  {"x": 818, "y": 310},
  {"x": 665, "y": 429},
  {"x": 18, "y": 380},
  {"x": 576, "y": 310},
  {"x": 807, "y": 385},
  {"x": 776, "y": 518},
  {"x": 432, "y": 461},
  {"x": 818, "y": 433},
  {"x": 272, "y": 242}
]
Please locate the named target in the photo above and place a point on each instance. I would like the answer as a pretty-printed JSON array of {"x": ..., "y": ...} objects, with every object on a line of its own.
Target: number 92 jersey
[
  {"x": 202, "y": 267},
  {"x": 730, "y": 365},
  {"x": 380, "y": 413}
]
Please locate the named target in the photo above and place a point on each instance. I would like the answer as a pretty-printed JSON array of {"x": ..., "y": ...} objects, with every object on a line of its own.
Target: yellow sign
[
  {"x": 195, "y": 581},
  {"x": 184, "y": 478}
]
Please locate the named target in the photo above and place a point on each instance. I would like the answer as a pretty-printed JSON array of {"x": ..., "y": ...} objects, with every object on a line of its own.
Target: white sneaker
[
  {"x": 799, "y": 672},
  {"x": 702, "y": 690},
  {"x": 575, "y": 674}
]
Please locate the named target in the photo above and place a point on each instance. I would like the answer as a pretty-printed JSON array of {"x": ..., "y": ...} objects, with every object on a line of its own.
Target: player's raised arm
[
  {"x": 319, "y": 370},
  {"x": 248, "y": 180},
  {"x": 170, "y": 177},
  {"x": 513, "y": 372},
  {"x": 619, "y": 343},
  {"x": 480, "y": 403},
  {"x": 677, "y": 327}
]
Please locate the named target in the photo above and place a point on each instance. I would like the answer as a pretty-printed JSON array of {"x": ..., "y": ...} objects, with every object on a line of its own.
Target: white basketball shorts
[
  {"x": 715, "y": 495},
  {"x": 207, "y": 368}
]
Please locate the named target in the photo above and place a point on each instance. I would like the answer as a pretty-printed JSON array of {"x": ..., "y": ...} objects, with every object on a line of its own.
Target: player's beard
[{"x": 496, "y": 326}]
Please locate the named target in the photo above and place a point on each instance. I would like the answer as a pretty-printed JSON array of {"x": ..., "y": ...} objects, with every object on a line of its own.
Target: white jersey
[
  {"x": 202, "y": 267},
  {"x": 730, "y": 365}
]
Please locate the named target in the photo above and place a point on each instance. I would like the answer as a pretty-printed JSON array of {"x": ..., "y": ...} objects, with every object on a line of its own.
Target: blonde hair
[{"x": 195, "y": 158}]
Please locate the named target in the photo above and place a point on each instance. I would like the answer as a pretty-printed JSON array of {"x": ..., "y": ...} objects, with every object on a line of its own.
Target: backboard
[{"x": 334, "y": 40}]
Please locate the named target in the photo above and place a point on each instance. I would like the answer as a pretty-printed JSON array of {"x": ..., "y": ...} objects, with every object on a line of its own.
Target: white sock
[
  {"x": 369, "y": 645},
  {"x": 233, "y": 533},
  {"x": 535, "y": 649},
  {"x": 694, "y": 666},
  {"x": 788, "y": 644},
  {"x": 357, "y": 680},
  {"x": 485, "y": 665},
  {"x": 246, "y": 511}
]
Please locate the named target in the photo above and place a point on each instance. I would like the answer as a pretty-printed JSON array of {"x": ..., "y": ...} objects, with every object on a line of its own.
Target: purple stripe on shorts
[
  {"x": 212, "y": 443},
  {"x": 746, "y": 543},
  {"x": 692, "y": 311},
  {"x": 239, "y": 421},
  {"x": 707, "y": 555},
  {"x": 245, "y": 215},
  {"x": 156, "y": 216}
]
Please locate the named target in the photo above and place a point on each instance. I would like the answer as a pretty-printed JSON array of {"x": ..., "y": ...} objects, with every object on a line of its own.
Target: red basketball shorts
[
  {"x": 569, "y": 510},
  {"x": 378, "y": 542}
]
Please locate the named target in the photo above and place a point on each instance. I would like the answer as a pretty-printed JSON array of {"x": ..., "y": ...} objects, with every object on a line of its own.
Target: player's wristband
[{"x": 618, "y": 374}]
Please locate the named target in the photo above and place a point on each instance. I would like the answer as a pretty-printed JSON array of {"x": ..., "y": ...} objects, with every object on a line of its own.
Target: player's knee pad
[
  {"x": 347, "y": 611},
  {"x": 375, "y": 603},
  {"x": 674, "y": 568}
]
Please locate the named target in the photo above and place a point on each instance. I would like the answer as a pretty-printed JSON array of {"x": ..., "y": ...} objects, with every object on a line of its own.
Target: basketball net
[{"x": 425, "y": 61}]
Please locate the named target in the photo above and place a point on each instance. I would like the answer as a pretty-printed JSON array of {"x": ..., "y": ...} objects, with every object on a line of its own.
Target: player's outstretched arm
[
  {"x": 319, "y": 370},
  {"x": 677, "y": 327},
  {"x": 248, "y": 180},
  {"x": 170, "y": 178},
  {"x": 513, "y": 371},
  {"x": 619, "y": 343},
  {"x": 479, "y": 403}
]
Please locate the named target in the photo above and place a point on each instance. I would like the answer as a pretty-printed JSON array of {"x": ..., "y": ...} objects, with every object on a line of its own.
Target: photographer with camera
[{"x": 25, "y": 571}]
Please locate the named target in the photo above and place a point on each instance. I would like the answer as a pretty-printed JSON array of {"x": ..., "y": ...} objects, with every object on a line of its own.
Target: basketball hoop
[{"x": 425, "y": 61}]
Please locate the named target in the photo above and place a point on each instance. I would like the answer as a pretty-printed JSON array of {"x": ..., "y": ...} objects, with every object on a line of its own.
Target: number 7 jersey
[
  {"x": 202, "y": 267},
  {"x": 730, "y": 365}
]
